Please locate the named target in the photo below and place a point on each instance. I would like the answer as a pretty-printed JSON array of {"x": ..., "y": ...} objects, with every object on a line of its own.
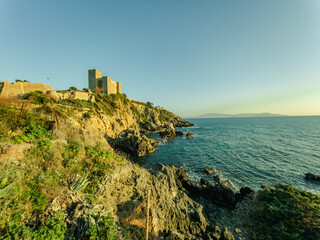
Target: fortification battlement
[
  {"x": 102, "y": 84},
  {"x": 18, "y": 89},
  {"x": 8, "y": 89}
]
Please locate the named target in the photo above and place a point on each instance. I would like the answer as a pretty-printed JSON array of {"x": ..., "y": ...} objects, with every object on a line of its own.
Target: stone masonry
[
  {"x": 18, "y": 89},
  {"x": 102, "y": 84},
  {"x": 8, "y": 89}
]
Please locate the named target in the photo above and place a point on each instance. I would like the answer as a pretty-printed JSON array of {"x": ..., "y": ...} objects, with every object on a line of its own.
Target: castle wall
[
  {"x": 94, "y": 76},
  {"x": 20, "y": 88},
  {"x": 76, "y": 95},
  {"x": 112, "y": 86}
]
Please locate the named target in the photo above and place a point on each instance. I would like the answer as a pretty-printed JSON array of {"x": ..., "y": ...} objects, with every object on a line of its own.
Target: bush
[
  {"x": 286, "y": 213},
  {"x": 38, "y": 98},
  {"x": 150, "y": 104},
  {"x": 53, "y": 228},
  {"x": 164, "y": 116},
  {"x": 104, "y": 229},
  {"x": 11, "y": 116},
  {"x": 32, "y": 133}
]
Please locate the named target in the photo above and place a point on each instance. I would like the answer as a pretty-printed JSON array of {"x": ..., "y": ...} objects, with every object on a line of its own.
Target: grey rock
[{"x": 132, "y": 142}]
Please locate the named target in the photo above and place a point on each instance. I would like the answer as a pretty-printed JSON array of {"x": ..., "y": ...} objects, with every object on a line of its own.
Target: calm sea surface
[{"x": 248, "y": 151}]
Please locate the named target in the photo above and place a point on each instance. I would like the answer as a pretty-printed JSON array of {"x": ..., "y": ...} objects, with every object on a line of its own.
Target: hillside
[{"x": 61, "y": 178}]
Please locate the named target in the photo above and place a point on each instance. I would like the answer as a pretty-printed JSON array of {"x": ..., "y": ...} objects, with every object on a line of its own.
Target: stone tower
[
  {"x": 93, "y": 77},
  {"x": 104, "y": 84}
]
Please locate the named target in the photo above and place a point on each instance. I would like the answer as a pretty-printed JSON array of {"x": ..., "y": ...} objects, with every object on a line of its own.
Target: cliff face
[
  {"x": 111, "y": 114},
  {"x": 66, "y": 142}
]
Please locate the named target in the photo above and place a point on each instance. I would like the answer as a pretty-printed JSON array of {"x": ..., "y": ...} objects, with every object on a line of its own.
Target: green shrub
[
  {"x": 164, "y": 116},
  {"x": 104, "y": 229},
  {"x": 286, "y": 213},
  {"x": 45, "y": 144},
  {"x": 150, "y": 104},
  {"x": 11, "y": 116},
  {"x": 38, "y": 98},
  {"x": 53, "y": 228},
  {"x": 32, "y": 133}
]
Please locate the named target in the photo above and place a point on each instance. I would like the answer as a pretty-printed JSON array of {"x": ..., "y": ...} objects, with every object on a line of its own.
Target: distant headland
[{"x": 241, "y": 115}]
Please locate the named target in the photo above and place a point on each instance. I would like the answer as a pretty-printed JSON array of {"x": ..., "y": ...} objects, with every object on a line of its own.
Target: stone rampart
[
  {"x": 112, "y": 86},
  {"x": 21, "y": 88},
  {"x": 76, "y": 95},
  {"x": 18, "y": 89}
]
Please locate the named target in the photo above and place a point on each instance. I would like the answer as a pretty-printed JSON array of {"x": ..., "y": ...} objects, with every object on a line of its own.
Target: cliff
[
  {"x": 61, "y": 178},
  {"x": 56, "y": 159}
]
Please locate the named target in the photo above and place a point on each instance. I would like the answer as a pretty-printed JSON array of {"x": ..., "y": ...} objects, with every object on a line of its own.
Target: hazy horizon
[
  {"x": 191, "y": 57},
  {"x": 256, "y": 114}
]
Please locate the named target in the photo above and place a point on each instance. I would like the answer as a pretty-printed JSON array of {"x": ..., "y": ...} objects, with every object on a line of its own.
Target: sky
[{"x": 191, "y": 57}]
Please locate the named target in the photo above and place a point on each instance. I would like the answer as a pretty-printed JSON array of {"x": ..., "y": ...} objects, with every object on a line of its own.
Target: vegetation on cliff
[
  {"x": 284, "y": 212},
  {"x": 60, "y": 179}
]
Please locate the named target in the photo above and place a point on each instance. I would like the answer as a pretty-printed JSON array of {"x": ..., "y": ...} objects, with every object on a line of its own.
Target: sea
[{"x": 246, "y": 151}]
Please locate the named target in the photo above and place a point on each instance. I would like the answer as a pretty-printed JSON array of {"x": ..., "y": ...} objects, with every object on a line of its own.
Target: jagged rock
[
  {"x": 173, "y": 214},
  {"x": 204, "y": 182},
  {"x": 179, "y": 122},
  {"x": 209, "y": 170},
  {"x": 168, "y": 133},
  {"x": 214, "y": 236},
  {"x": 244, "y": 192},
  {"x": 312, "y": 177},
  {"x": 149, "y": 126},
  {"x": 179, "y": 133},
  {"x": 220, "y": 195},
  {"x": 130, "y": 141},
  {"x": 227, "y": 235},
  {"x": 189, "y": 135}
]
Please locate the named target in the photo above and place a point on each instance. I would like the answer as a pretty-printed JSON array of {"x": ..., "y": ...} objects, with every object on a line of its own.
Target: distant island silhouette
[{"x": 241, "y": 115}]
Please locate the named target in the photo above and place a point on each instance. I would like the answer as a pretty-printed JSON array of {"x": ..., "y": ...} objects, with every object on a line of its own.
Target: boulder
[
  {"x": 189, "y": 135},
  {"x": 52, "y": 94},
  {"x": 149, "y": 126},
  {"x": 209, "y": 170},
  {"x": 132, "y": 142},
  {"x": 179, "y": 133},
  {"x": 168, "y": 133},
  {"x": 312, "y": 177}
]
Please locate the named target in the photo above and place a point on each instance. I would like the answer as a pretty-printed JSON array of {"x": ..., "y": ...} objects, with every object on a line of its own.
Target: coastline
[{"x": 87, "y": 187}]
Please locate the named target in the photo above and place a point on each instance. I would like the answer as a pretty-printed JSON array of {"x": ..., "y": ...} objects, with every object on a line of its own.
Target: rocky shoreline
[
  {"x": 79, "y": 173},
  {"x": 178, "y": 207}
]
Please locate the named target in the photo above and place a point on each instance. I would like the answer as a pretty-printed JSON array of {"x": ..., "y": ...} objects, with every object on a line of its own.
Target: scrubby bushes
[
  {"x": 12, "y": 119},
  {"x": 285, "y": 212},
  {"x": 164, "y": 116},
  {"x": 26, "y": 190},
  {"x": 38, "y": 98},
  {"x": 32, "y": 133}
]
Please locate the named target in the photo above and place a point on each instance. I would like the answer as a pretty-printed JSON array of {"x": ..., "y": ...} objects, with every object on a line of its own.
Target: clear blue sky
[{"x": 192, "y": 57}]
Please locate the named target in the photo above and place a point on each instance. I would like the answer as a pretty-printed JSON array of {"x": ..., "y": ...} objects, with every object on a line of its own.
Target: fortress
[
  {"x": 97, "y": 84},
  {"x": 102, "y": 84},
  {"x": 20, "y": 88}
]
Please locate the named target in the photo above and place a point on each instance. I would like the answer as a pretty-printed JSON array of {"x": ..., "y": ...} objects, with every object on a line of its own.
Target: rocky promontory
[{"x": 63, "y": 176}]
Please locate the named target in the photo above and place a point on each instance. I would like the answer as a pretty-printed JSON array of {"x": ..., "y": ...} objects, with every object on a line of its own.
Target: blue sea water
[{"x": 247, "y": 151}]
